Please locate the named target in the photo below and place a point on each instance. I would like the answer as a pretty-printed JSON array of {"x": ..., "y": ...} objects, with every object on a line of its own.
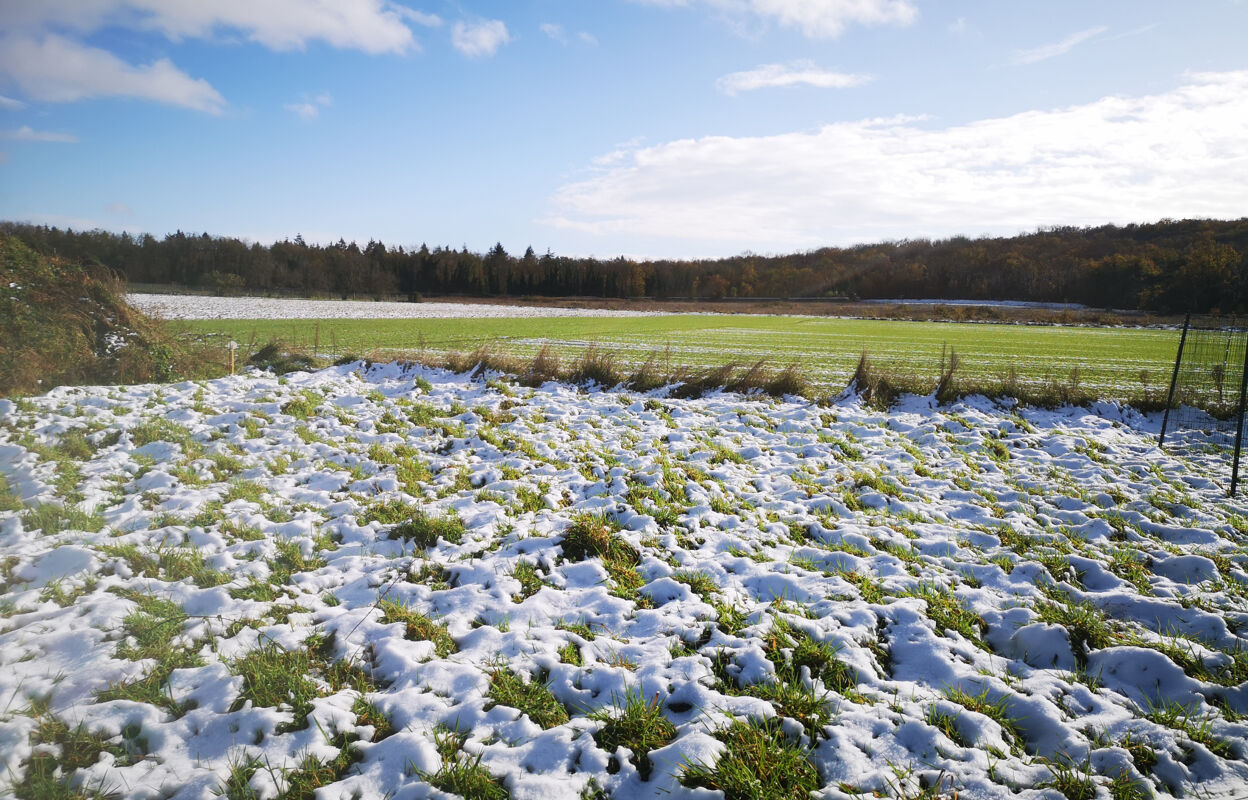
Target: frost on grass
[{"x": 401, "y": 583}]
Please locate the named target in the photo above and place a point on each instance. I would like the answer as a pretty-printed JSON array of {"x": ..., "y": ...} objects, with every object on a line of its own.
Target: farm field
[
  {"x": 389, "y": 581},
  {"x": 1112, "y": 362}
]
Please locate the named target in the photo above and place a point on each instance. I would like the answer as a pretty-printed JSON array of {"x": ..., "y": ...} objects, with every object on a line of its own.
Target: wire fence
[{"x": 1207, "y": 390}]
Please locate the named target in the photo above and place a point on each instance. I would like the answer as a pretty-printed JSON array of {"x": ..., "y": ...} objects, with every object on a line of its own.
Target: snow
[
  {"x": 169, "y": 306},
  {"x": 812, "y": 506}
]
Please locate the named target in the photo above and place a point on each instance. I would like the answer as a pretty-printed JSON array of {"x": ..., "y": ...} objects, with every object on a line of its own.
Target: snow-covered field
[
  {"x": 172, "y": 306},
  {"x": 397, "y": 582}
]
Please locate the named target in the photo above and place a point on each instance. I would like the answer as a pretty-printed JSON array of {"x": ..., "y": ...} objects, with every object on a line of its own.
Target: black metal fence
[{"x": 1209, "y": 387}]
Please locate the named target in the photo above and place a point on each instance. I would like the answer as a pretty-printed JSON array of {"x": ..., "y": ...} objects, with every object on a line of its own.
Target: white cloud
[
  {"x": 59, "y": 70},
  {"x": 118, "y": 208},
  {"x": 374, "y": 26},
  {"x": 1045, "y": 52},
  {"x": 28, "y": 134},
  {"x": 479, "y": 39},
  {"x": 309, "y": 106},
  {"x": 9, "y": 104},
  {"x": 418, "y": 17},
  {"x": 816, "y": 19},
  {"x": 798, "y": 73},
  {"x": 1118, "y": 159},
  {"x": 555, "y": 32}
]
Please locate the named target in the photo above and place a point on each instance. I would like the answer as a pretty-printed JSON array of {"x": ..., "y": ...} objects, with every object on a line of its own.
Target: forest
[{"x": 1169, "y": 266}]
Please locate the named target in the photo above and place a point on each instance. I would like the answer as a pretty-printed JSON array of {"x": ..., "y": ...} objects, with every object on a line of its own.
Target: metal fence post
[
  {"x": 1174, "y": 380},
  {"x": 1239, "y": 427}
]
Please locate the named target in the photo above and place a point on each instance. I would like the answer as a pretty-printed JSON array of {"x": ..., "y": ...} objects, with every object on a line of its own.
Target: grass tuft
[
  {"x": 759, "y": 763},
  {"x": 636, "y": 724},
  {"x": 532, "y": 698}
]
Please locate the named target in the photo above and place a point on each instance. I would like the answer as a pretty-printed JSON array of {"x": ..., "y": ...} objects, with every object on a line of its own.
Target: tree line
[{"x": 1168, "y": 266}]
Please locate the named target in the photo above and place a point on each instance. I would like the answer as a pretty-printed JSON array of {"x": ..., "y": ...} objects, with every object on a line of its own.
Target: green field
[{"x": 1117, "y": 362}]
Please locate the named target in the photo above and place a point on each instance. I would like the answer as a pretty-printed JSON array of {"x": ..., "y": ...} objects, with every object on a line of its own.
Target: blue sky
[{"x": 680, "y": 128}]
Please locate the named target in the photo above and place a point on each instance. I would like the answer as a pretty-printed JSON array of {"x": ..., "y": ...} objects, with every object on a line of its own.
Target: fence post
[
  {"x": 1174, "y": 379},
  {"x": 1239, "y": 427}
]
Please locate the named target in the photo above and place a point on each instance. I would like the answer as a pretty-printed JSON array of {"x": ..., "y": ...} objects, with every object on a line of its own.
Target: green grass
[
  {"x": 169, "y": 564},
  {"x": 508, "y": 688},
  {"x": 49, "y": 777},
  {"x": 53, "y": 518},
  {"x": 460, "y": 775},
  {"x": 312, "y": 773},
  {"x": 418, "y": 627},
  {"x": 1109, "y": 361},
  {"x": 594, "y": 536},
  {"x": 758, "y": 763},
  {"x": 637, "y": 724},
  {"x": 273, "y": 677},
  {"x": 424, "y": 531},
  {"x": 994, "y": 709}
]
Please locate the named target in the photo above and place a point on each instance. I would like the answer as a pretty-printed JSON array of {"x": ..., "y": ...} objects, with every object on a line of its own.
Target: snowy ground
[
  {"x": 362, "y": 579},
  {"x": 171, "y": 306}
]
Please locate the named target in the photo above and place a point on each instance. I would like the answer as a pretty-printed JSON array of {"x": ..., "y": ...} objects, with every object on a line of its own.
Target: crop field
[
  {"x": 394, "y": 581},
  {"x": 1111, "y": 362}
]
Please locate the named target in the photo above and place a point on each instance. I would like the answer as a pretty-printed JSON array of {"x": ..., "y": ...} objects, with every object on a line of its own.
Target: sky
[{"x": 645, "y": 128}]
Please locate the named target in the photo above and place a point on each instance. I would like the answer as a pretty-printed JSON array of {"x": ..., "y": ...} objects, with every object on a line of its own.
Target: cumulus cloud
[
  {"x": 41, "y": 31},
  {"x": 1055, "y": 49},
  {"x": 798, "y": 73},
  {"x": 374, "y": 26},
  {"x": 479, "y": 39},
  {"x": 28, "y": 134},
  {"x": 59, "y": 70},
  {"x": 309, "y": 106},
  {"x": 1117, "y": 159},
  {"x": 816, "y": 19}
]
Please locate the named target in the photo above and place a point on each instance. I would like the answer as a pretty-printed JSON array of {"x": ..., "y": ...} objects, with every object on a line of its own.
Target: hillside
[{"x": 65, "y": 323}]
